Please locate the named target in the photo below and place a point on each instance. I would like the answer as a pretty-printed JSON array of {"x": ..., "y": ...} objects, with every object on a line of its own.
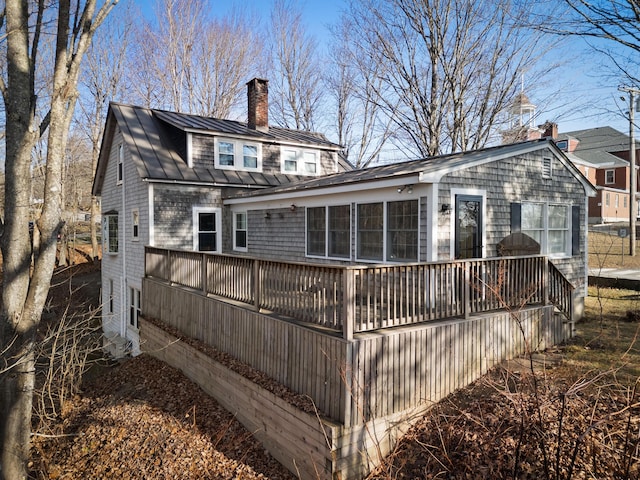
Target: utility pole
[{"x": 632, "y": 173}]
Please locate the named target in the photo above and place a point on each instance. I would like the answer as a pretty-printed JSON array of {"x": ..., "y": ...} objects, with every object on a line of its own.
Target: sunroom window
[
  {"x": 388, "y": 231},
  {"x": 329, "y": 231}
]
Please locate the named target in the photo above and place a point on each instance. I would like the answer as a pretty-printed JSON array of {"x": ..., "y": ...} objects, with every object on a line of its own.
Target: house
[
  {"x": 162, "y": 177},
  {"x": 372, "y": 292},
  {"x": 602, "y": 155}
]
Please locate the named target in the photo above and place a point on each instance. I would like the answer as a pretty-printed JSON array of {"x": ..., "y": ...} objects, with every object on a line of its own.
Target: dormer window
[
  {"x": 232, "y": 154},
  {"x": 609, "y": 177},
  {"x": 300, "y": 161}
]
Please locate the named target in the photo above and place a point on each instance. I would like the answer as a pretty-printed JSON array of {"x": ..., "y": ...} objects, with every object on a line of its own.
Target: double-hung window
[
  {"x": 549, "y": 225},
  {"x": 135, "y": 307},
  {"x": 300, "y": 161},
  {"x": 388, "y": 231},
  {"x": 240, "y": 231},
  {"x": 329, "y": 231},
  {"x": 207, "y": 227},
  {"x": 237, "y": 154},
  {"x": 609, "y": 177},
  {"x": 110, "y": 232},
  {"x": 135, "y": 224}
]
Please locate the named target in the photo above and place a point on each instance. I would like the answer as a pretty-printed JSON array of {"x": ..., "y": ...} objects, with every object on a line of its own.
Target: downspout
[{"x": 123, "y": 287}]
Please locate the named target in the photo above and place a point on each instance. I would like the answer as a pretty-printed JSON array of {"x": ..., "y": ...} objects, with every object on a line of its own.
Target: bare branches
[{"x": 296, "y": 93}]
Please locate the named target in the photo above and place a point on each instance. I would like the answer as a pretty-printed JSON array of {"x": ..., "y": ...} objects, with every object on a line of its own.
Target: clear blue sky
[{"x": 586, "y": 100}]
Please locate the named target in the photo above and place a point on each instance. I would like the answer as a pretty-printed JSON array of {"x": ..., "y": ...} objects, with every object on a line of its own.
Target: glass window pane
[
  {"x": 207, "y": 241},
  {"x": 370, "y": 231},
  {"x": 532, "y": 216},
  {"x": 340, "y": 231},
  {"x": 290, "y": 161},
  {"x": 558, "y": 216},
  {"x": 225, "y": 153},
  {"x": 206, "y": 222},
  {"x": 402, "y": 230},
  {"x": 250, "y": 153},
  {"x": 316, "y": 231},
  {"x": 310, "y": 162},
  {"x": 558, "y": 241},
  {"x": 241, "y": 239}
]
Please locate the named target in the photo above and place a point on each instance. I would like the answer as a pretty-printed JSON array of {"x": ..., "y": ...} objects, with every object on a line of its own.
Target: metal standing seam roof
[
  {"x": 156, "y": 157},
  {"x": 442, "y": 163}
]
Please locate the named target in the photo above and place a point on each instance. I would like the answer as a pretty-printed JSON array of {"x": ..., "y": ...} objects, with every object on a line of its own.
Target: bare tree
[
  {"x": 296, "y": 93},
  {"x": 188, "y": 62},
  {"x": 352, "y": 81},
  {"x": 103, "y": 81},
  {"x": 25, "y": 290},
  {"x": 448, "y": 69},
  {"x": 607, "y": 26}
]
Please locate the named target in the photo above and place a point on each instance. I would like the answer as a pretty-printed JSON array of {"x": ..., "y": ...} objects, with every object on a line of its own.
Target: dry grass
[{"x": 607, "y": 250}]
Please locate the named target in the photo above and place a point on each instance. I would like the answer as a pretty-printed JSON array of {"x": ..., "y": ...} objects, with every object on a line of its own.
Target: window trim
[
  {"x": 197, "y": 210},
  {"x": 107, "y": 231},
  {"x": 135, "y": 225},
  {"x": 120, "y": 165},
  {"x": 606, "y": 176},
  {"x": 135, "y": 307},
  {"x": 236, "y": 247},
  {"x": 385, "y": 232},
  {"x": 327, "y": 231},
  {"x": 238, "y": 154},
  {"x": 299, "y": 156},
  {"x": 546, "y": 229}
]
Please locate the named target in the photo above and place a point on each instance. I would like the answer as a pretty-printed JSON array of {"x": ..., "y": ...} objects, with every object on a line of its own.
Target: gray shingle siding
[
  {"x": 517, "y": 179},
  {"x": 173, "y": 213}
]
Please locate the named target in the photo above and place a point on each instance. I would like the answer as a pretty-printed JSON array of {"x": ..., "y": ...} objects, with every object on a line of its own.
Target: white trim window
[
  {"x": 550, "y": 226},
  {"x": 135, "y": 224},
  {"x": 240, "y": 231},
  {"x": 329, "y": 231},
  {"x": 388, "y": 231},
  {"x": 609, "y": 177},
  {"x": 120, "y": 165},
  {"x": 232, "y": 154},
  {"x": 110, "y": 232},
  {"x": 207, "y": 228},
  {"x": 135, "y": 307},
  {"x": 299, "y": 161}
]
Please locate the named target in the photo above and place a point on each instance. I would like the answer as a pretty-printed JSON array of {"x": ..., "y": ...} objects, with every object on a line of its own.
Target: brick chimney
[
  {"x": 550, "y": 130},
  {"x": 258, "y": 97}
]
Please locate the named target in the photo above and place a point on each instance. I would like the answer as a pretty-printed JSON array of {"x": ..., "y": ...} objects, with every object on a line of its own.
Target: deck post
[
  {"x": 203, "y": 273},
  {"x": 467, "y": 290},
  {"x": 545, "y": 280},
  {"x": 169, "y": 275},
  {"x": 257, "y": 284},
  {"x": 348, "y": 304}
]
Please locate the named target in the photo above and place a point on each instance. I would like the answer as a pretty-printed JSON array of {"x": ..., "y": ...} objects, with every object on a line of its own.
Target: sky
[{"x": 583, "y": 97}]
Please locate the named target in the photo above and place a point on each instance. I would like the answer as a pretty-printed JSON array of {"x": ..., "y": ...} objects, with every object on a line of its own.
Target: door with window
[{"x": 468, "y": 226}]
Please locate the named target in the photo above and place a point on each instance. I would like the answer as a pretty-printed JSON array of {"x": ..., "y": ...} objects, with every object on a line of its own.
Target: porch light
[
  {"x": 293, "y": 207},
  {"x": 267, "y": 215},
  {"x": 444, "y": 208}
]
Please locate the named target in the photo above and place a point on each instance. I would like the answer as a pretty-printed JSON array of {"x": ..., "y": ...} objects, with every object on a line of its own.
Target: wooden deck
[
  {"x": 354, "y": 299},
  {"x": 373, "y": 347}
]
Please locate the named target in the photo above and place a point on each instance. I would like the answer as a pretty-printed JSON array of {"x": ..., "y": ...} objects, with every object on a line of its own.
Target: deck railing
[{"x": 367, "y": 297}]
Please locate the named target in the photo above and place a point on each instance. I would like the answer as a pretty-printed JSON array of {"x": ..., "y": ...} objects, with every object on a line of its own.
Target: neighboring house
[
  {"x": 162, "y": 177},
  {"x": 602, "y": 155}
]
